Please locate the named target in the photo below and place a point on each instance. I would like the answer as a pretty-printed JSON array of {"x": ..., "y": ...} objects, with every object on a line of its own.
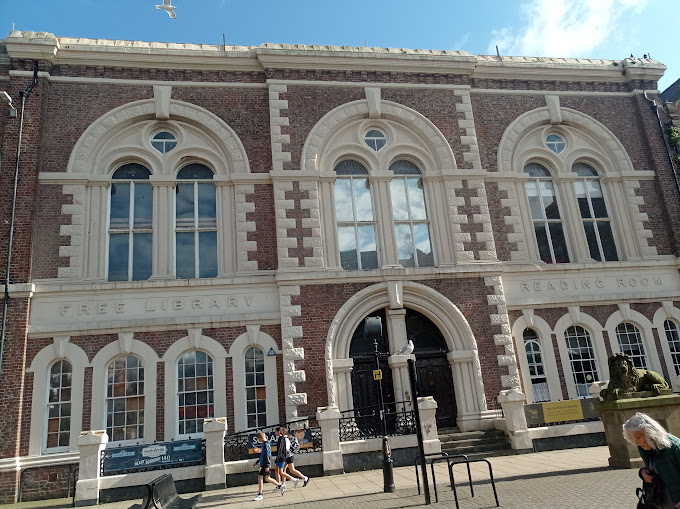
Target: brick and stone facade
[{"x": 272, "y": 123}]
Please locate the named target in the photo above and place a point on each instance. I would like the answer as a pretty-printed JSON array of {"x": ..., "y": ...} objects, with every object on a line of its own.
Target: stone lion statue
[{"x": 624, "y": 378}]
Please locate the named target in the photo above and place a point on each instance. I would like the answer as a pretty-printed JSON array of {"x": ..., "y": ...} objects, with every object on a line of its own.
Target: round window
[
  {"x": 164, "y": 142},
  {"x": 555, "y": 143},
  {"x": 375, "y": 139}
]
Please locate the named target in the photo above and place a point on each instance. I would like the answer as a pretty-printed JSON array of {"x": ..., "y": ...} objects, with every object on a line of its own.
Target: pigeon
[
  {"x": 406, "y": 350},
  {"x": 168, "y": 8}
]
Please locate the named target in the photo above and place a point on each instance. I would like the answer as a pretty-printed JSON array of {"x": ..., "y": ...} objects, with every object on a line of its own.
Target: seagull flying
[
  {"x": 168, "y": 8},
  {"x": 406, "y": 350}
]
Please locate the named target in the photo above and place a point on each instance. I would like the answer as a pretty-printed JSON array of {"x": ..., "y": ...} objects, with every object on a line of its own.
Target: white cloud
[{"x": 566, "y": 28}]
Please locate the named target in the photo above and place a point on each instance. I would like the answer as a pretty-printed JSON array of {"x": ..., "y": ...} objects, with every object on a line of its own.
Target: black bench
[{"x": 161, "y": 494}]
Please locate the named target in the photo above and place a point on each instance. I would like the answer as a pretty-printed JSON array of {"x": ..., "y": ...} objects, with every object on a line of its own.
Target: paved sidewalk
[{"x": 575, "y": 478}]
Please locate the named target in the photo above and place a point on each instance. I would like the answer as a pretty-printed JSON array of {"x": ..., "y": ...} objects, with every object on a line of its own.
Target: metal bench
[{"x": 161, "y": 494}]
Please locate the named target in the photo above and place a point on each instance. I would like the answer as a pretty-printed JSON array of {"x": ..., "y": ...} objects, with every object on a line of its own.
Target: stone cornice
[{"x": 98, "y": 52}]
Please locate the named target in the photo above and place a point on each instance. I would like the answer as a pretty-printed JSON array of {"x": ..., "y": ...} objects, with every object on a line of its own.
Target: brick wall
[{"x": 48, "y": 482}]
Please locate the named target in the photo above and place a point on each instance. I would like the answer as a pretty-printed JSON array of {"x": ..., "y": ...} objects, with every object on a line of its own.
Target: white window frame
[
  {"x": 672, "y": 333},
  {"x": 195, "y": 390},
  {"x": 71, "y": 402},
  {"x": 531, "y": 363},
  {"x": 628, "y": 334},
  {"x": 125, "y": 397},
  {"x": 255, "y": 386}
]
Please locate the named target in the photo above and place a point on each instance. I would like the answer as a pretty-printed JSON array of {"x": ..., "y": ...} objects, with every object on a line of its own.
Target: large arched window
[
  {"x": 354, "y": 215},
  {"x": 545, "y": 215},
  {"x": 673, "y": 338},
  {"x": 130, "y": 224},
  {"x": 125, "y": 399},
  {"x": 256, "y": 391},
  {"x": 195, "y": 395},
  {"x": 539, "y": 382},
  {"x": 195, "y": 223},
  {"x": 582, "y": 359},
  {"x": 59, "y": 406},
  {"x": 630, "y": 342},
  {"x": 411, "y": 226},
  {"x": 596, "y": 221}
]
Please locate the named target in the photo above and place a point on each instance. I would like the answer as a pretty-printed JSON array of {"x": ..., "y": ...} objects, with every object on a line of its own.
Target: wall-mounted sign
[
  {"x": 149, "y": 456},
  {"x": 377, "y": 374},
  {"x": 271, "y": 352}
]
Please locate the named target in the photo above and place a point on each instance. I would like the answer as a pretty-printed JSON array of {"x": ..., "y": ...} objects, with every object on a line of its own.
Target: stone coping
[{"x": 625, "y": 404}]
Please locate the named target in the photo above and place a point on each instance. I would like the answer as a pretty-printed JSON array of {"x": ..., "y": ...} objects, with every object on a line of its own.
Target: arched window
[
  {"x": 673, "y": 338},
  {"x": 195, "y": 397},
  {"x": 125, "y": 399},
  {"x": 545, "y": 215},
  {"x": 59, "y": 405},
  {"x": 539, "y": 382},
  {"x": 130, "y": 224},
  {"x": 195, "y": 223},
  {"x": 354, "y": 214},
  {"x": 411, "y": 226},
  {"x": 582, "y": 359},
  {"x": 596, "y": 221},
  {"x": 630, "y": 342},
  {"x": 256, "y": 391}
]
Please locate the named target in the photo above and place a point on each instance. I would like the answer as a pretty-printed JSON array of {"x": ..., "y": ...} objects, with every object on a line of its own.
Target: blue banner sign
[
  {"x": 149, "y": 456},
  {"x": 304, "y": 437}
]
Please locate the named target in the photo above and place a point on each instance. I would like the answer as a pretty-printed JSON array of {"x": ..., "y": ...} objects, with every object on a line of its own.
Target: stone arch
[
  {"x": 319, "y": 140},
  {"x": 194, "y": 340},
  {"x": 516, "y": 131},
  {"x": 441, "y": 311},
  {"x": 60, "y": 349},
  {"x": 547, "y": 350},
  {"x": 87, "y": 149},
  {"x": 644, "y": 326}
]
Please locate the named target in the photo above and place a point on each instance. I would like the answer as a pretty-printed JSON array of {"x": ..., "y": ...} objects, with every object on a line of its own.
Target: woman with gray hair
[{"x": 661, "y": 453}]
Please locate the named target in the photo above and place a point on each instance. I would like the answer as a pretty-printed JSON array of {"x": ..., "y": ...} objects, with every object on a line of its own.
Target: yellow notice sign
[
  {"x": 558, "y": 411},
  {"x": 377, "y": 374}
]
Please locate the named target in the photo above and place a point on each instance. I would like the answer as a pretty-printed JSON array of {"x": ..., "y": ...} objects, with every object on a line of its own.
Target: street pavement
[{"x": 574, "y": 479}]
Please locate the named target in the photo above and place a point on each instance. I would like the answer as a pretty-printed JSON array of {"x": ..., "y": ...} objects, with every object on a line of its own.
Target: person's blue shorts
[{"x": 281, "y": 464}]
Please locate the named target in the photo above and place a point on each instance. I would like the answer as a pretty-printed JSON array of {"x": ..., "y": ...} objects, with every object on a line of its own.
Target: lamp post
[{"x": 373, "y": 330}]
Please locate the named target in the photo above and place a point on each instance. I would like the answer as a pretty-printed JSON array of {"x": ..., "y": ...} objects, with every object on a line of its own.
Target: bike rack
[
  {"x": 467, "y": 462},
  {"x": 441, "y": 456}
]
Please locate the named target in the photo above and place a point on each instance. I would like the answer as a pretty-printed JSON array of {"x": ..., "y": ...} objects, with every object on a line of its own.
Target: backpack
[{"x": 294, "y": 445}]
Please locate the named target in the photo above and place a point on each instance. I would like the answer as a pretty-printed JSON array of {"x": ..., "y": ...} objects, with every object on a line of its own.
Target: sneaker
[
  {"x": 295, "y": 482},
  {"x": 283, "y": 488},
  {"x": 277, "y": 489},
  {"x": 258, "y": 497},
  {"x": 306, "y": 482}
]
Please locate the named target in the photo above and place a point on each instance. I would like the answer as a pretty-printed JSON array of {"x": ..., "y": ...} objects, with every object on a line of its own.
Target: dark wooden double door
[{"x": 433, "y": 370}]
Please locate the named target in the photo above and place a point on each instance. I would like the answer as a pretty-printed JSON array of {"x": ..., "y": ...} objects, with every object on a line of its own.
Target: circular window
[
  {"x": 375, "y": 139},
  {"x": 555, "y": 143},
  {"x": 164, "y": 142}
]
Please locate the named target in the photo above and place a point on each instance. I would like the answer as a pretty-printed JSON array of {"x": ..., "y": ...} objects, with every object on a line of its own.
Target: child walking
[
  {"x": 295, "y": 440},
  {"x": 265, "y": 464},
  {"x": 282, "y": 453}
]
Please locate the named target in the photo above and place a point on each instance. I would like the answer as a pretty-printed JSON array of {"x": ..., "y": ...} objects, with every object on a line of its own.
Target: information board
[
  {"x": 558, "y": 411},
  {"x": 137, "y": 457}
]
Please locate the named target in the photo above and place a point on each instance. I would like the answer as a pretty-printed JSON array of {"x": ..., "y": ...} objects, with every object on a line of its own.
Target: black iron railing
[
  {"x": 363, "y": 423},
  {"x": 237, "y": 446}
]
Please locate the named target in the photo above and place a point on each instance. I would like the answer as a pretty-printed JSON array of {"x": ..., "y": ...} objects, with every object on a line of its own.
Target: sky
[{"x": 609, "y": 29}]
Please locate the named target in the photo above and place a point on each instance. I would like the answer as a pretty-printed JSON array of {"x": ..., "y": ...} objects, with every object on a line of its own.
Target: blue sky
[{"x": 611, "y": 29}]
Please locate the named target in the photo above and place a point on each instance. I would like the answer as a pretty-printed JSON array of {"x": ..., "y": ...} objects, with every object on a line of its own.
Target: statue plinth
[{"x": 665, "y": 409}]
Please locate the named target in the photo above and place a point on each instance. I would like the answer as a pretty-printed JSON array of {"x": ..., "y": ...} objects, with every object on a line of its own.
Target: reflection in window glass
[
  {"x": 375, "y": 139},
  {"x": 596, "y": 221},
  {"x": 164, "y": 142},
  {"x": 673, "y": 338},
  {"x": 256, "y": 391},
  {"x": 195, "y": 391},
  {"x": 630, "y": 342},
  {"x": 545, "y": 214},
  {"x": 130, "y": 224},
  {"x": 354, "y": 216},
  {"x": 555, "y": 143},
  {"x": 411, "y": 226},
  {"x": 125, "y": 399},
  {"x": 195, "y": 223},
  {"x": 59, "y": 405},
  {"x": 539, "y": 382},
  {"x": 582, "y": 359}
]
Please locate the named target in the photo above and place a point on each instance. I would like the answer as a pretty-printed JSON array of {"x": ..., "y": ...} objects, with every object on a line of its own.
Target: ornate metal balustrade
[
  {"x": 363, "y": 423},
  {"x": 237, "y": 446}
]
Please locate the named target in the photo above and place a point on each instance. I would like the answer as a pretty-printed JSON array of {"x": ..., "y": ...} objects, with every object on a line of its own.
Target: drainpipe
[
  {"x": 665, "y": 141},
  {"x": 24, "y": 95}
]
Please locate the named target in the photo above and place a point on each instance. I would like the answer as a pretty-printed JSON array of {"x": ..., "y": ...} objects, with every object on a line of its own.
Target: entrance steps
[{"x": 475, "y": 444}]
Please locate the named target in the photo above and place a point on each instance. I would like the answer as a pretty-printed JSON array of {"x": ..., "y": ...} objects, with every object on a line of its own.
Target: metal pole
[
  {"x": 419, "y": 431},
  {"x": 388, "y": 471}
]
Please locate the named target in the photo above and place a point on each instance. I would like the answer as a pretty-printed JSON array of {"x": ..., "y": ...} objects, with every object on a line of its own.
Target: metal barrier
[
  {"x": 468, "y": 461},
  {"x": 364, "y": 423},
  {"x": 441, "y": 456}
]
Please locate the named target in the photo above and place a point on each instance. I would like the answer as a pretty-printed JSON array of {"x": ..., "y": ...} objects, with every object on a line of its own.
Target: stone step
[
  {"x": 446, "y": 442},
  {"x": 473, "y": 448}
]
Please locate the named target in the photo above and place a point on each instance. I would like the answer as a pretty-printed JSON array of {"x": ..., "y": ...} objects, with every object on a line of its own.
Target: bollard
[{"x": 388, "y": 471}]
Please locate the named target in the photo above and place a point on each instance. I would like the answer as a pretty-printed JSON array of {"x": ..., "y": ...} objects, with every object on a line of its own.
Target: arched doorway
[{"x": 432, "y": 367}]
